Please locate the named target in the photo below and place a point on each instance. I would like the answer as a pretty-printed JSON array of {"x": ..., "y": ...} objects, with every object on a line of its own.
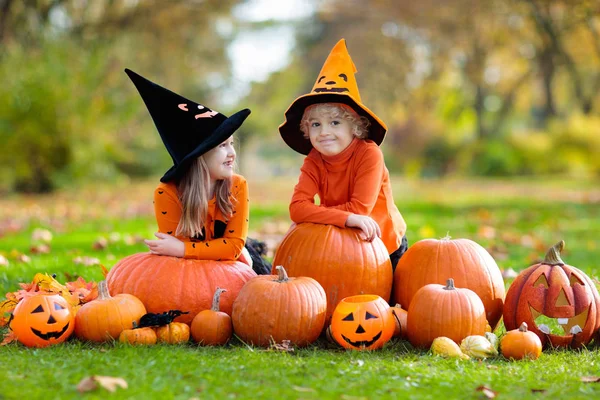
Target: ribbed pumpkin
[
  {"x": 400, "y": 316},
  {"x": 438, "y": 310},
  {"x": 172, "y": 283},
  {"x": 276, "y": 308},
  {"x": 338, "y": 259},
  {"x": 173, "y": 333},
  {"x": 212, "y": 327},
  {"x": 554, "y": 293},
  {"x": 433, "y": 261},
  {"x": 138, "y": 336},
  {"x": 106, "y": 317}
]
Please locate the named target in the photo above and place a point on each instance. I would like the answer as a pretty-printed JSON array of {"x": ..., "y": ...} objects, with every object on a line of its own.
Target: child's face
[
  {"x": 329, "y": 135},
  {"x": 220, "y": 160}
]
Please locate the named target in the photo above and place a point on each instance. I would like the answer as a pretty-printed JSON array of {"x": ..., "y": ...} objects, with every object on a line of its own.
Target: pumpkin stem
[
  {"x": 447, "y": 237},
  {"x": 450, "y": 284},
  {"x": 523, "y": 327},
  {"x": 282, "y": 275},
  {"x": 217, "y": 299},
  {"x": 553, "y": 255},
  {"x": 103, "y": 293}
]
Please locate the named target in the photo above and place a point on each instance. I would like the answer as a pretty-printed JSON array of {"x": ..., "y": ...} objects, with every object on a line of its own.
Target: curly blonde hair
[{"x": 360, "y": 124}]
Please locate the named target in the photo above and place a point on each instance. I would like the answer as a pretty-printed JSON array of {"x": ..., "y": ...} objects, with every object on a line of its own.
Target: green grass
[{"x": 515, "y": 227}]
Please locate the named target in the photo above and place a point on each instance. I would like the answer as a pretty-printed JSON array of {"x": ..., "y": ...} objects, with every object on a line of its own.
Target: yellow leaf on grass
[{"x": 107, "y": 382}]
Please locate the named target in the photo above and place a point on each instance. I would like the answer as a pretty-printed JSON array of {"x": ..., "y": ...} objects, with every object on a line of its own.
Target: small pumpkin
[
  {"x": 552, "y": 294},
  {"x": 276, "y": 308},
  {"x": 438, "y": 310},
  {"x": 212, "y": 327},
  {"x": 400, "y": 315},
  {"x": 42, "y": 320},
  {"x": 173, "y": 333},
  {"x": 173, "y": 283},
  {"x": 106, "y": 317},
  {"x": 469, "y": 264},
  {"x": 338, "y": 259},
  {"x": 521, "y": 343},
  {"x": 362, "y": 322},
  {"x": 142, "y": 336}
]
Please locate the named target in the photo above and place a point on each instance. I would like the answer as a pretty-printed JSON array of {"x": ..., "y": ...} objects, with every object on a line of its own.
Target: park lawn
[{"x": 516, "y": 221}]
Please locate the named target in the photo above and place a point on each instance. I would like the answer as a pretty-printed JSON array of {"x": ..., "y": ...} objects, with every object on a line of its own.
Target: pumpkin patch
[
  {"x": 469, "y": 264},
  {"x": 171, "y": 283},
  {"x": 338, "y": 259}
]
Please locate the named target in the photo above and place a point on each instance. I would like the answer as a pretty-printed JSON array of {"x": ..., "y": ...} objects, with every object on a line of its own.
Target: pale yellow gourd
[
  {"x": 446, "y": 347},
  {"x": 478, "y": 347}
]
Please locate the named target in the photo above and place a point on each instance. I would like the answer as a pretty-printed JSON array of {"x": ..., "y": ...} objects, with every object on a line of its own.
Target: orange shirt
[
  {"x": 224, "y": 238},
  {"x": 356, "y": 181}
]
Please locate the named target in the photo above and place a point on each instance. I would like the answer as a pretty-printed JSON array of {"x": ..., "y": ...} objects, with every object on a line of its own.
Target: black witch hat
[{"x": 187, "y": 129}]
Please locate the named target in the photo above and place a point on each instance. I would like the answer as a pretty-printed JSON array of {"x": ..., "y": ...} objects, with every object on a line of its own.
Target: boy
[{"x": 344, "y": 165}]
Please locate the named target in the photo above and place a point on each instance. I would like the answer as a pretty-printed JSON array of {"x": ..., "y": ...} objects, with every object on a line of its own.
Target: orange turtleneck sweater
[
  {"x": 356, "y": 181},
  {"x": 223, "y": 238}
]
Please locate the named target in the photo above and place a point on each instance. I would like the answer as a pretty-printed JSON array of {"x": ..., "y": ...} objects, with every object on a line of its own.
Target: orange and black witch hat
[{"x": 336, "y": 83}]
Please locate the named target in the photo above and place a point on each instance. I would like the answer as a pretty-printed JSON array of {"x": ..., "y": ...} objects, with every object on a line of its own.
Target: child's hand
[
  {"x": 167, "y": 245},
  {"x": 370, "y": 229}
]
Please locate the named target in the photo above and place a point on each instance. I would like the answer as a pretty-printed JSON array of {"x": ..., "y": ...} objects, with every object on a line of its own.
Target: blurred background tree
[{"x": 495, "y": 88}]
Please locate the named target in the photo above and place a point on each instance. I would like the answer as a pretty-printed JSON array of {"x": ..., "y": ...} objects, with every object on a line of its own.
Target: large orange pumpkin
[
  {"x": 338, "y": 259},
  {"x": 469, "y": 264},
  {"x": 172, "y": 283},
  {"x": 558, "y": 302},
  {"x": 276, "y": 308},
  {"x": 42, "y": 320},
  {"x": 439, "y": 310}
]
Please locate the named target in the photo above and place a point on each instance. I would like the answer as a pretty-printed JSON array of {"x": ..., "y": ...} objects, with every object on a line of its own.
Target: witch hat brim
[
  {"x": 187, "y": 129},
  {"x": 336, "y": 83}
]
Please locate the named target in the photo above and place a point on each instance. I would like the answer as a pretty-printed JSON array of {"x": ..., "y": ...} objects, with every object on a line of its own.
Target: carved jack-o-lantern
[
  {"x": 362, "y": 322},
  {"x": 42, "y": 320},
  {"x": 557, "y": 301}
]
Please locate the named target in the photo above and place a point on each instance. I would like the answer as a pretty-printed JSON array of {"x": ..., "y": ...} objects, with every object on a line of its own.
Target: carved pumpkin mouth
[
  {"x": 362, "y": 343},
  {"x": 50, "y": 335},
  {"x": 332, "y": 90},
  {"x": 559, "y": 326}
]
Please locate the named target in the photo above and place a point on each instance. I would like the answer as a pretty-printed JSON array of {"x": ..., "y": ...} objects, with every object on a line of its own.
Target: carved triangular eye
[
  {"x": 58, "y": 306},
  {"x": 573, "y": 280},
  {"x": 370, "y": 316},
  {"x": 348, "y": 317},
  {"x": 38, "y": 309},
  {"x": 541, "y": 281}
]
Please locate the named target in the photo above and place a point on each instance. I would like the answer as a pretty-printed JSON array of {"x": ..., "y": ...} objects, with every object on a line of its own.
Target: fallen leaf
[
  {"x": 100, "y": 244},
  {"x": 590, "y": 379},
  {"x": 487, "y": 392},
  {"x": 538, "y": 390},
  {"x": 40, "y": 249},
  {"x": 41, "y": 235},
  {"x": 107, "y": 382},
  {"x": 283, "y": 346},
  {"x": 9, "y": 337},
  {"x": 360, "y": 363},
  {"x": 492, "y": 367}
]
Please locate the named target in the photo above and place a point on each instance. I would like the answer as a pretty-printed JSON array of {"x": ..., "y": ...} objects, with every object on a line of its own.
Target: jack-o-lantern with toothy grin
[{"x": 557, "y": 301}]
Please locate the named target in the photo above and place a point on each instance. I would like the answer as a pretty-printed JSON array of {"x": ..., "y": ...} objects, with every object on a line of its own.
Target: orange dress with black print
[{"x": 223, "y": 237}]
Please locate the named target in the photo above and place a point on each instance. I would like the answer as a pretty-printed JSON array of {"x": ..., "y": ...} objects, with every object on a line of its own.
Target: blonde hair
[
  {"x": 360, "y": 124},
  {"x": 193, "y": 189}
]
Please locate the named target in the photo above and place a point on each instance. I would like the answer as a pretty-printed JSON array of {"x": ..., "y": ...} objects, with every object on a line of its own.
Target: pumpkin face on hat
[
  {"x": 362, "y": 322},
  {"x": 557, "y": 301},
  {"x": 42, "y": 320}
]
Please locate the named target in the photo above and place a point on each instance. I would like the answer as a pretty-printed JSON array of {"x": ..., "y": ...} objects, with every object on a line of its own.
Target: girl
[{"x": 201, "y": 205}]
